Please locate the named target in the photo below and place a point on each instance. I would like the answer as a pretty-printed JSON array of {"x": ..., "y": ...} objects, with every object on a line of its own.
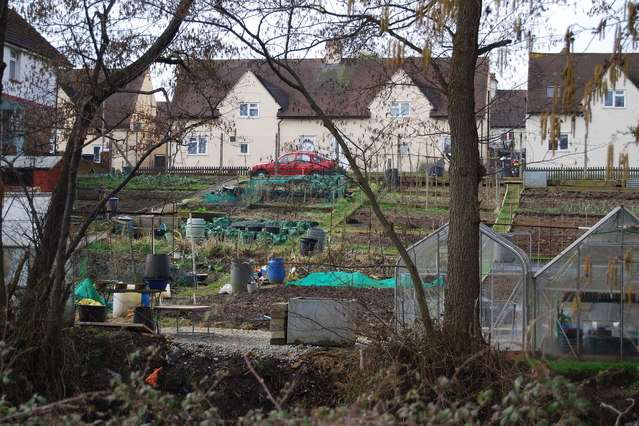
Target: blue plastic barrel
[
  {"x": 145, "y": 300},
  {"x": 276, "y": 270}
]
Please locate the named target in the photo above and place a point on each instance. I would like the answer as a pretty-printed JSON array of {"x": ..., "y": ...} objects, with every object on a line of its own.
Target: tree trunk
[
  {"x": 4, "y": 302},
  {"x": 462, "y": 292}
]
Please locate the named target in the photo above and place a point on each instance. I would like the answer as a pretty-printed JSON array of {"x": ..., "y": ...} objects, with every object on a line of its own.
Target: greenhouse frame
[
  {"x": 504, "y": 278},
  {"x": 585, "y": 300}
]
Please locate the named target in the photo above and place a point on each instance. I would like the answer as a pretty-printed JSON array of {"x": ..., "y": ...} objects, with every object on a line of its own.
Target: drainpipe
[{"x": 277, "y": 147}]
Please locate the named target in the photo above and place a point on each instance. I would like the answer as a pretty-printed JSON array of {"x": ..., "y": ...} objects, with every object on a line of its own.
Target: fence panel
[
  {"x": 591, "y": 173},
  {"x": 212, "y": 171}
]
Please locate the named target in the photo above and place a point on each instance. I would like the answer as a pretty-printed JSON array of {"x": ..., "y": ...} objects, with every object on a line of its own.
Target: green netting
[
  {"x": 326, "y": 187},
  {"x": 342, "y": 279},
  {"x": 264, "y": 231}
]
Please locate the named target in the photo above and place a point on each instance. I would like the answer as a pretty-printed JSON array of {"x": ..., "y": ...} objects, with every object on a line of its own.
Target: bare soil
[
  {"x": 547, "y": 241},
  {"x": 189, "y": 365},
  {"x": 248, "y": 311},
  {"x": 128, "y": 200}
]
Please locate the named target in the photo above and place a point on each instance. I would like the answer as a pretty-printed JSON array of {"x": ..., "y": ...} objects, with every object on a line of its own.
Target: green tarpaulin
[
  {"x": 85, "y": 289},
  {"x": 353, "y": 279},
  {"x": 342, "y": 279}
]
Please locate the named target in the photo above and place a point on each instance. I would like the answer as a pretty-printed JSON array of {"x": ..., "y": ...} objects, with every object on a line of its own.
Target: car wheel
[{"x": 261, "y": 174}]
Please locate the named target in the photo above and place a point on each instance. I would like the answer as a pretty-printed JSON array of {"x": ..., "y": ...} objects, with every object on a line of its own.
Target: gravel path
[{"x": 227, "y": 342}]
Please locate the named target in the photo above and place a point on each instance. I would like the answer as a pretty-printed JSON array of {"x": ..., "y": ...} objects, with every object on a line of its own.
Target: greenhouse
[
  {"x": 504, "y": 273},
  {"x": 586, "y": 302}
]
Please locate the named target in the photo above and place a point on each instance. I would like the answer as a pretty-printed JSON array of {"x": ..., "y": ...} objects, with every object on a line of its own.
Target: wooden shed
[{"x": 40, "y": 172}]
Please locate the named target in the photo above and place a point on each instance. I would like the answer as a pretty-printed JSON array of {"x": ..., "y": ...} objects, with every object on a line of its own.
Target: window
[
  {"x": 615, "y": 99},
  {"x": 244, "y": 148},
  {"x": 232, "y": 139},
  {"x": 249, "y": 110},
  {"x": 560, "y": 144},
  {"x": 305, "y": 158},
  {"x": 307, "y": 143},
  {"x": 14, "y": 70},
  {"x": 285, "y": 159},
  {"x": 97, "y": 151},
  {"x": 197, "y": 146},
  {"x": 447, "y": 145},
  {"x": 399, "y": 109},
  {"x": 552, "y": 90}
]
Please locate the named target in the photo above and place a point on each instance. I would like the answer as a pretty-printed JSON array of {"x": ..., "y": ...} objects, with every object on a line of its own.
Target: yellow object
[{"x": 90, "y": 302}]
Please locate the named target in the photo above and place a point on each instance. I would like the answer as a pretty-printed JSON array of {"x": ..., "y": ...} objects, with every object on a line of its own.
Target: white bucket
[
  {"x": 123, "y": 302},
  {"x": 166, "y": 294}
]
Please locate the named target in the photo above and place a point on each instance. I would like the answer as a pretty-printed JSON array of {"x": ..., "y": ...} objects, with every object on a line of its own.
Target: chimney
[
  {"x": 492, "y": 85},
  {"x": 333, "y": 52}
]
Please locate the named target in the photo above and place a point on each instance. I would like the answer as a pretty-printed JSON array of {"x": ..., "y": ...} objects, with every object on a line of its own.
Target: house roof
[
  {"x": 508, "y": 109},
  {"x": 343, "y": 90},
  {"x": 22, "y": 34},
  {"x": 118, "y": 108},
  {"x": 30, "y": 162},
  {"x": 546, "y": 69}
]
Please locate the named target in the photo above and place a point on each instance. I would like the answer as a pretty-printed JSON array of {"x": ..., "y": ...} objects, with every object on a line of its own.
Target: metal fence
[
  {"x": 591, "y": 173},
  {"x": 213, "y": 171}
]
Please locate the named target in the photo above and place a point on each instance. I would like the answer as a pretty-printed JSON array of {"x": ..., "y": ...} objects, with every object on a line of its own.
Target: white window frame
[
  {"x": 14, "y": 65},
  {"x": 559, "y": 148},
  {"x": 248, "y": 151},
  {"x": 250, "y": 106},
  {"x": 552, "y": 90},
  {"x": 197, "y": 140},
  {"x": 614, "y": 94},
  {"x": 399, "y": 109}
]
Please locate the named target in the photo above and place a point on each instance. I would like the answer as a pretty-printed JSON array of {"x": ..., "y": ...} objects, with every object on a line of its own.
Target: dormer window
[
  {"x": 399, "y": 109},
  {"x": 14, "y": 65},
  {"x": 552, "y": 90},
  {"x": 615, "y": 99},
  {"x": 249, "y": 110}
]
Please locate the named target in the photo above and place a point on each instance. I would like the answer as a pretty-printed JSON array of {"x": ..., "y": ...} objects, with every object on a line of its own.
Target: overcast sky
[{"x": 549, "y": 36}]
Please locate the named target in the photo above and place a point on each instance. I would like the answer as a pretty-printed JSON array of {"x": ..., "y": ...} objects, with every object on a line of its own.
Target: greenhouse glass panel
[
  {"x": 503, "y": 282},
  {"x": 585, "y": 298}
]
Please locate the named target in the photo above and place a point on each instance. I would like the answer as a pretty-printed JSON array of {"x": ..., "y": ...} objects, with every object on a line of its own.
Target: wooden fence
[
  {"x": 211, "y": 171},
  {"x": 591, "y": 173}
]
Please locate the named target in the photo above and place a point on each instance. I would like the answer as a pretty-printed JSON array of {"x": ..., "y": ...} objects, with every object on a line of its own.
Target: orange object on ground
[{"x": 152, "y": 379}]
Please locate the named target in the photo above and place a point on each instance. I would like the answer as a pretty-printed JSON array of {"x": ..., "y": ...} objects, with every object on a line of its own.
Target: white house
[
  {"x": 30, "y": 86},
  {"x": 582, "y": 141},
  {"x": 507, "y": 116},
  {"x": 241, "y": 113},
  {"x": 125, "y": 125}
]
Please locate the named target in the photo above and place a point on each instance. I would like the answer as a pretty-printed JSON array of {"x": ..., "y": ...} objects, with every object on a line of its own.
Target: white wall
[
  {"x": 608, "y": 125},
  {"x": 372, "y": 140},
  {"x": 258, "y": 133},
  {"x": 36, "y": 82}
]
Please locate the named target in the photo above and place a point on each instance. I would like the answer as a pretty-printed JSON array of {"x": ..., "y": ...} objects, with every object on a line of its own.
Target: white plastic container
[
  {"x": 123, "y": 302},
  {"x": 195, "y": 228},
  {"x": 320, "y": 321}
]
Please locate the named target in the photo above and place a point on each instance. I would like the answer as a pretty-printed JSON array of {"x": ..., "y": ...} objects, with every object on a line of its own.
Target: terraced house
[
  {"x": 124, "y": 127},
  {"x": 242, "y": 113},
  {"x": 28, "y": 106},
  {"x": 583, "y": 141}
]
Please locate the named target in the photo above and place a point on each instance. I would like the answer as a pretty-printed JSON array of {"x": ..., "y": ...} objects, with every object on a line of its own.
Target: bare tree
[{"x": 111, "y": 55}]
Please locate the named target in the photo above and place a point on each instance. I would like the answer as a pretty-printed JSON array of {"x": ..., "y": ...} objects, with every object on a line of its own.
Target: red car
[{"x": 296, "y": 163}]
